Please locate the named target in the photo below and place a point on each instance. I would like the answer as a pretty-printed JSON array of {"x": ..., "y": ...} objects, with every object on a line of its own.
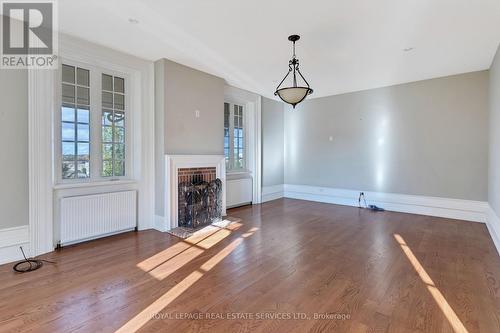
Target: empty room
[{"x": 250, "y": 166}]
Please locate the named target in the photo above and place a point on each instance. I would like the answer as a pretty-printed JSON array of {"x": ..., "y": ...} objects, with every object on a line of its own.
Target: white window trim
[
  {"x": 43, "y": 112},
  {"x": 253, "y": 142},
  {"x": 95, "y": 123},
  {"x": 141, "y": 118},
  {"x": 231, "y": 169}
]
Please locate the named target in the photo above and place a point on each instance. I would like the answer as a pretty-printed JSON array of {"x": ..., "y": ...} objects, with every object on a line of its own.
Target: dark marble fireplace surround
[{"x": 200, "y": 197}]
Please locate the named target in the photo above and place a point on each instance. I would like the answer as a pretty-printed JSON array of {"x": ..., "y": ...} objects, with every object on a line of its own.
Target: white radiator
[
  {"x": 238, "y": 192},
  {"x": 93, "y": 216}
]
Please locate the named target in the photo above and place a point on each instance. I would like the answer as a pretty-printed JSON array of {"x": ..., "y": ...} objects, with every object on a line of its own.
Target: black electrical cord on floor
[
  {"x": 370, "y": 207},
  {"x": 28, "y": 265},
  {"x": 361, "y": 195}
]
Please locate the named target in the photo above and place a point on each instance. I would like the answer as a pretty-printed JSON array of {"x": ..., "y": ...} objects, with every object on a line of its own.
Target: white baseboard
[
  {"x": 272, "y": 192},
  {"x": 10, "y": 241},
  {"x": 493, "y": 225},
  {"x": 160, "y": 223},
  {"x": 433, "y": 206}
]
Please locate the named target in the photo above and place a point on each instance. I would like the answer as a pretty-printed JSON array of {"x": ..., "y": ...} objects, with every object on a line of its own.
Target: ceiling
[{"x": 346, "y": 45}]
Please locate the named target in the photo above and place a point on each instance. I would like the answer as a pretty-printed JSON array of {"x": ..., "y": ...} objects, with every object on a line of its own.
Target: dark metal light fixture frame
[{"x": 293, "y": 67}]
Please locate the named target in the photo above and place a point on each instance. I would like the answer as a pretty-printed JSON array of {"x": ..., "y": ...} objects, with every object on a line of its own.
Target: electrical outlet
[{"x": 197, "y": 113}]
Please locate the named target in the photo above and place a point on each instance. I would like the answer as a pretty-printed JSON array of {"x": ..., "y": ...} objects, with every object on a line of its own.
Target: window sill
[
  {"x": 240, "y": 174},
  {"x": 63, "y": 186}
]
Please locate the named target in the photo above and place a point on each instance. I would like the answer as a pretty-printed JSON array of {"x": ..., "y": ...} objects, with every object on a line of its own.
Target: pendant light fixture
[{"x": 296, "y": 93}]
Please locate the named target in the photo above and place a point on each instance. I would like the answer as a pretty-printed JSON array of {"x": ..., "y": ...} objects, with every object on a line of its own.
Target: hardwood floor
[{"x": 286, "y": 259}]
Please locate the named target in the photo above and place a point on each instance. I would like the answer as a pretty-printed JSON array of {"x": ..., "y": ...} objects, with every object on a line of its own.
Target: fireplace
[
  {"x": 195, "y": 190},
  {"x": 199, "y": 197}
]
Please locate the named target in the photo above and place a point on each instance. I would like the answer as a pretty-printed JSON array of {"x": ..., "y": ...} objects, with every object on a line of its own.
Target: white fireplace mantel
[{"x": 172, "y": 164}]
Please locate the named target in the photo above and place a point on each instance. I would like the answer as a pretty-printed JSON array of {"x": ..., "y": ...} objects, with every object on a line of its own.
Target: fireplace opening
[{"x": 200, "y": 197}]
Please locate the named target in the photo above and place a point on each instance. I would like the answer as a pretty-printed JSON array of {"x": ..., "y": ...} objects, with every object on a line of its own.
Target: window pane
[
  {"x": 107, "y": 100},
  {"x": 113, "y": 126},
  {"x": 107, "y": 151},
  {"x": 83, "y": 115},
  {"x": 68, "y": 131},
  {"x": 68, "y": 170},
  {"x": 107, "y": 134},
  {"x": 107, "y": 168},
  {"x": 107, "y": 117},
  {"x": 119, "y": 118},
  {"x": 68, "y": 93},
  {"x": 75, "y": 122},
  {"x": 226, "y": 153},
  {"x": 119, "y": 152},
  {"x": 119, "y": 85},
  {"x": 119, "y": 169},
  {"x": 83, "y": 151},
  {"x": 119, "y": 135},
  {"x": 119, "y": 102},
  {"x": 83, "y": 169},
  {"x": 68, "y": 151},
  {"x": 67, "y": 114},
  {"x": 82, "y": 77},
  {"x": 83, "y": 132},
  {"x": 226, "y": 141},
  {"x": 107, "y": 82},
  {"x": 83, "y": 95},
  {"x": 238, "y": 164},
  {"x": 68, "y": 74},
  {"x": 226, "y": 115}
]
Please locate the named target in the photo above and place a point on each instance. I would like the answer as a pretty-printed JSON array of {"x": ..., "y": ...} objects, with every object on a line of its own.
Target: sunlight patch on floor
[
  {"x": 162, "y": 256},
  {"x": 452, "y": 317},
  {"x": 163, "y": 264},
  {"x": 148, "y": 313}
]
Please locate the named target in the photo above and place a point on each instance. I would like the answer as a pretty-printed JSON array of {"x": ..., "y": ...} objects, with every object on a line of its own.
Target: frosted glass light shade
[{"x": 293, "y": 95}]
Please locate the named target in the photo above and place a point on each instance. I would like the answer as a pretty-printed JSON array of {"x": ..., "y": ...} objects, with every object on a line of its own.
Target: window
[
  {"x": 113, "y": 126},
  {"x": 234, "y": 136},
  {"x": 92, "y": 123},
  {"x": 75, "y": 122}
]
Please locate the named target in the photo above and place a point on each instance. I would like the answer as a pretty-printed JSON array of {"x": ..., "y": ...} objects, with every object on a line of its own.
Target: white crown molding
[
  {"x": 272, "y": 192},
  {"x": 10, "y": 241},
  {"x": 468, "y": 210}
]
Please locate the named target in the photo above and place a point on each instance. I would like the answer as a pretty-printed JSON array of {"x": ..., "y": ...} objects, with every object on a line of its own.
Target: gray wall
[
  {"x": 188, "y": 90},
  {"x": 423, "y": 138},
  {"x": 272, "y": 142},
  {"x": 494, "y": 165},
  {"x": 179, "y": 92},
  {"x": 13, "y": 148}
]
